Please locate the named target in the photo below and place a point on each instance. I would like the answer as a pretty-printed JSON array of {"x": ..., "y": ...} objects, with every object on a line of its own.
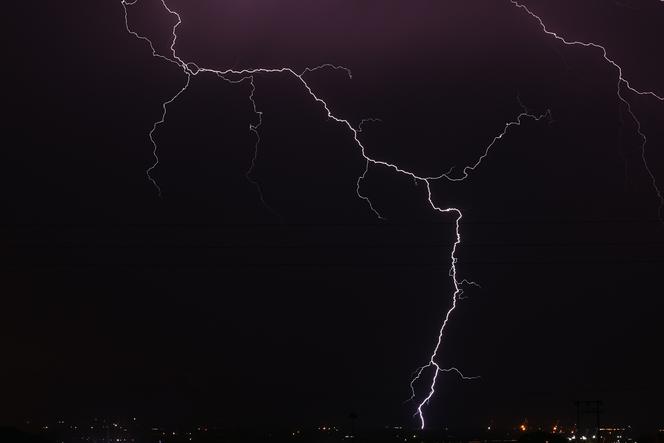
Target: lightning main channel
[{"x": 236, "y": 76}]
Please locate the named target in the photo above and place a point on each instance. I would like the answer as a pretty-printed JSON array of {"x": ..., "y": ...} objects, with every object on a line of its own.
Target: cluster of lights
[
  {"x": 328, "y": 428},
  {"x": 119, "y": 433}
]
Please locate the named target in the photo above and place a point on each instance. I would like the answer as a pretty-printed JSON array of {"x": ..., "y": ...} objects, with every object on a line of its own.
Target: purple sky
[{"x": 155, "y": 313}]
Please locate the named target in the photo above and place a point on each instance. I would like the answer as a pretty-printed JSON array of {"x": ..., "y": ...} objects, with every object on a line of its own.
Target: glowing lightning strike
[
  {"x": 238, "y": 76},
  {"x": 517, "y": 122},
  {"x": 622, "y": 81},
  {"x": 254, "y": 128}
]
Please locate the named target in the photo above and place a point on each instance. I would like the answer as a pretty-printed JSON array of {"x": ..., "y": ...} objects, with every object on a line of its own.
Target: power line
[
  {"x": 402, "y": 245},
  {"x": 323, "y": 225},
  {"x": 277, "y": 265}
]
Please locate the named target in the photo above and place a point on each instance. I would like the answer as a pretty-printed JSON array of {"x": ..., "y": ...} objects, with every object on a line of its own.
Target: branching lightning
[
  {"x": 622, "y": 82},
  {"x": 191, "y": 70},
  {"x": 465, "y": 172},
  {"x": 254, "y": 128}
]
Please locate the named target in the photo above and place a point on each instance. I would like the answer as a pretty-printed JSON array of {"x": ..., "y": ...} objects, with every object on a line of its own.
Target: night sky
[{"x": 205, "y": 306}]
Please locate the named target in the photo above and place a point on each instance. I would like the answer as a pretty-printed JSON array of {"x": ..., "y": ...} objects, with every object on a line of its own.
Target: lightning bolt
[
  {"x": 621, "y": 83},
  {"x": 254, "y": 128},
  {"x": 235, "y": 76}
]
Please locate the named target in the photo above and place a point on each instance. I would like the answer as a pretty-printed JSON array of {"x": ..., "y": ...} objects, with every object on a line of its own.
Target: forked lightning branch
[{"x": 427, "y": 374}]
